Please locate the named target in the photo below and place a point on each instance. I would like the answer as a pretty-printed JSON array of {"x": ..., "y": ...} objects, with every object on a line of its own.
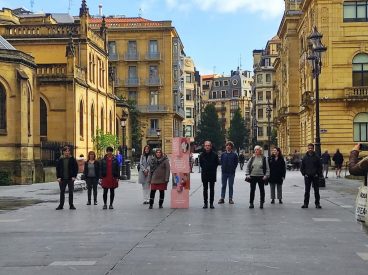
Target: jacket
[
  {"x": 144, "y": 165},
  {"x": 311, "y": 165},
  {"x": 338, "y": 158},
  {"x": 115, "y": 168},
  {"x": 326, "y": 158},
  {"x": 72, "y": 167},
  {"x": 159, "y": 170},
  {"x": 277, "y": 170},
  {"x": 208, "y": 162},
  {"x": 229, "y": 162},
  {"x": 97, "y": 169},
  {"x": 356, "y": 167},
  {"x": 265, "y": 167}
]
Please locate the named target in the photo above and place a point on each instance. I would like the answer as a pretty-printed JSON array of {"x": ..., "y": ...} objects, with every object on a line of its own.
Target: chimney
[{"x": 100, "y": 9}]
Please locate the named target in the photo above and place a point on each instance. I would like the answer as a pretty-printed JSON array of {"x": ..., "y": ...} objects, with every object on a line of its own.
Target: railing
[
  {"x": 179, "y": 110},
  {"x": 131, "y": 56},
  {"x": 80, "y": 73},
  {"x": 154, "y": 81},
  {"x": 51, "y": 70},
  {"x": 51, "y": 151},
  {"x": 152, "y": 133},
  {"x": 153, "y": 108},
  {"x": 132, "y": 82},
  {"x": 153, "y": 56},
  {"x": 41, "y": 30},
  {"x": 357, "y": 93}
]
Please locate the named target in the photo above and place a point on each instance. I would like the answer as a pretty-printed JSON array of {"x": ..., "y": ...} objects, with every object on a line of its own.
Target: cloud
[{"x": 267, "y": 8}]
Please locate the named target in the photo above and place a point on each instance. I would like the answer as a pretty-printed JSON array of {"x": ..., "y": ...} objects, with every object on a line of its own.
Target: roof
[
  {"x": 63, "y": 17},
  {"x": 116, "y": 20},
  {"x": 5, "y": 45}
]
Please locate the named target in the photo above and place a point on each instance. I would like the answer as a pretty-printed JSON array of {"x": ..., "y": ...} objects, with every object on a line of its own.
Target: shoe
[
  {"x": 205, "y": 206},
  {"x": 95, "y": 203},
  {"x": 145, "y": 202},
  {"x": 272, "y": 201},
  {"x": 211, "y": 206},
  {"x": 318, "y": 206},
  {"x": 280, "y": 201},
  {"x": 261, "y": 205},
  {"x": 150, "y": 207},
  {"x": 251, "y": 206},
  {"x": 104, "y": 207},
  {"x": 89, "y": 203},
  {"x": 72, "y": 207},
  {"x": 160, "y": 206},
  {"x": 221, "y": 201},
  {"x": 111, "y": 207},
  {"x": 59, "y": 208},
  {"x": 231, "y": 201},
  {"x": 326, "y": 177},
  {"x": 304, "y": 206}
]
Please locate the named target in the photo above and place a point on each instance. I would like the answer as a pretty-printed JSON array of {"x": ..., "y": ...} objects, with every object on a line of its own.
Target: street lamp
[
  {"x": 123, "y": 121},
  {"x": 255, "y": 132},
  {"x": 158, "y": 132},
  {"x": 315, "y": 57},
  {"x": 268, "y": 112}
]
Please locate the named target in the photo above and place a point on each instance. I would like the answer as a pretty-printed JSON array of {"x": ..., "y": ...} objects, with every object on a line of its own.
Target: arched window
[
  {"x": 2, "y": 108},
  {"x": 92, "y": 120},
  {"x": 102, "y": 120},
  {"x": 81, "y": 121},
  {"x": 29, "y": 112},
  {"x": 360, "y": 70},
  {"x": 361, "y": 127},
  {"x": 110, "y": 122},
  {"x": 43, "y": 118}
]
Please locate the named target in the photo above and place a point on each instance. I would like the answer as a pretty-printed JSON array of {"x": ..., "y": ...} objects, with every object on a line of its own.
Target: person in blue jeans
[{"x": 229, "y": 162}]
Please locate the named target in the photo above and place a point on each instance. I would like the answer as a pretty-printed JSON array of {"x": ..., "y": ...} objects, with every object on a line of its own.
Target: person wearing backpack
[{"x": 257, "y": 171}]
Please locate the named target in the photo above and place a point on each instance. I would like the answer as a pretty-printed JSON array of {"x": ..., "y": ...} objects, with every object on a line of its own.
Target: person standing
[
  {"x": 91, "y": 174},
  {"x": 229, "y": 162},
  {"x": 326, "y": 161},
  {"x": 257, "y": 171},
  {"x": 143, "y": 174},
  {"x": 311, "y": 169},
  {"x": 277, "y": 173},
  {"x": 66, "y": 172},
  {"x": 120, "y": 159},
  {"x": 109, "y": 174},
  {"x": 81, "y": 161},
  {"x": 295, "y": 160},
  {"x": 241, "y": 160},
  {"x": 159, "y": 177},
  {"x": 208, "y": 161},
  {"x": 338, "y": 158}
]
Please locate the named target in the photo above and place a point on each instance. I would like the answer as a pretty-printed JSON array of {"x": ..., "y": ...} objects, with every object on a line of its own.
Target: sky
[{"x": 220, "y": 35}]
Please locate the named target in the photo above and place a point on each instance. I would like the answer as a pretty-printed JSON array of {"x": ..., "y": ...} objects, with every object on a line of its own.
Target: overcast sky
[{"x": 217, "y": 34}]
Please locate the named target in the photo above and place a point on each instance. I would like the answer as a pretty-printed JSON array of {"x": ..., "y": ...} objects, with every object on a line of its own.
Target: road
[{"x": 231, "y": 239}]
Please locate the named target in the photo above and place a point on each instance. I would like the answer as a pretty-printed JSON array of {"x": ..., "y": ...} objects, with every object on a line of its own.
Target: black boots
[{"x": 160, "y": 203}]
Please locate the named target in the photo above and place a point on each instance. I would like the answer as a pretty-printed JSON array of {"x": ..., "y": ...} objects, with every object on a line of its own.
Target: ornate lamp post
[
  {"x": 315, "y": 56},
  {"x": 158, "y": 132},
  {"x": 123, "y": 127},
  {"x": 268, "y": 112}
]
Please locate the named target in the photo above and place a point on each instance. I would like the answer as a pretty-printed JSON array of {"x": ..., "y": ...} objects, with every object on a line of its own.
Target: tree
[
  {"x": 135, "y": 126},
  {"x": 209, "y": 128},
  {"x": 101, "y": 141},
  {"x": 238, "y": 133}
]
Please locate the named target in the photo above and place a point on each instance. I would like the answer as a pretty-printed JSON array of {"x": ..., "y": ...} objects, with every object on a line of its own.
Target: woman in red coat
[{"x": 110, "y": 176}]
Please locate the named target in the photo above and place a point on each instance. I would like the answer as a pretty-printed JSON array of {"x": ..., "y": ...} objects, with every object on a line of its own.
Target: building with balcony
[
  {"x": 67, "y": 79},
  {"x": 146, "y": 62}
]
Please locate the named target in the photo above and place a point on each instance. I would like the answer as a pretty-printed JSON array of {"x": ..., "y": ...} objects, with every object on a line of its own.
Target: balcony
[
  {"x": 153, "y": 108},
  {"x": 132, "y": 82},
  {"x": 131, "y": 56},
  {"x": 179, "y": 110},
  {"x": 152, "y": 133},
  {"x": 307, "y": 98},
  {"x": 153, "y": 56},
  {"x": 154, "y": 81},
  {"x": 356, "y": 93}
]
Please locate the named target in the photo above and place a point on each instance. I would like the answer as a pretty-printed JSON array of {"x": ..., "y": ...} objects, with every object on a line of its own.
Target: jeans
[
  {"x": 325, "y": 169},
  {"x": 205, "y": 192},
  {"x": 62, "y": 185},
  {"x": 308, "y": 181},
  {"x": 253, "y": 185},
  {"x": 92, "y": 184},
  {"x": 227, "y": 177},
  {"x": 273, "y": 186}
]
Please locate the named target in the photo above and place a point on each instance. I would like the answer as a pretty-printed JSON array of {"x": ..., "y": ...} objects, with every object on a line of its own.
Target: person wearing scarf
[{"x": 143, "y": 175}]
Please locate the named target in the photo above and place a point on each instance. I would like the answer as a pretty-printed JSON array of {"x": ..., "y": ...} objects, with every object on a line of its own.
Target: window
[
  {"x": 189, "y": 95},
  {"x": 154, "y": 98},
  {"x": 153, "y": 72},
  {"x": 112, "y": 47},
  {"x": 43, "y": 118},
  {"x": 92, "y": 120},
  {"x": 102, "y": 120},
  {"x": 132, "y": 47},
  {"x": 188, "y": 131},
  {"x": 235, "y": 93},
  {"x": 132, "y": 95},
  {"x": 361, "y": 127},
  {"x": 188, "y": 112},
  {"x": 235, "y": 82},
  {"x": 355, "y": 11},
  {"x": 260, "y": 113},
  {"x": 217, "y": 84},
  {"x": 234, "y": 105},
  {"x": 223, "y": 94},
  {"x": 260, "y": 96},
  {"x": 110, "y": 122},
  {"x": 360, "y": 70},
  {"x": 268, "y": 78},
  {"x": 267, "y": 62},
  {"x": 259, "y": 79},
  {"x": 81, "y": 122},
  {"x": 214, "y": 95},
  {"x": 260, "y": 131},
  {"x": 226, "y": 83},
  {"x": 154, "y": 124},
  {"x": 268, "y": 95},
  {"x": 117, "y": 127},
  {"x": 153, "y": 46},
  {"x": 29, "y": 112},
  {"x": 188, "y": 78}
]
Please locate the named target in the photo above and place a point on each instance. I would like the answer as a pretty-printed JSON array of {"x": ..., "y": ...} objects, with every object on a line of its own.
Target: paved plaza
[{"x": 231, "y": 239}]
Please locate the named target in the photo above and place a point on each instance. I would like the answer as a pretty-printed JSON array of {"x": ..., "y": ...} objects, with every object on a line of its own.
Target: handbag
[{"x": 138, "y": 166}]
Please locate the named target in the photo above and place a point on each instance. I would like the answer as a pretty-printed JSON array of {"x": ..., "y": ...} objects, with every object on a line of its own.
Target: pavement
[{"x": 231, "y": 239}]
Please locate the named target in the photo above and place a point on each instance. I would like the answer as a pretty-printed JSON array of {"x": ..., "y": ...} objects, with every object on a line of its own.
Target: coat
[
  {"x": 208, "y": 162},
  {"x": 159, "y": 170},
  {"x": 115, "y": 168},
  {"x": 229, "y": 162},
  {"x": 97, "y": 169},
  {"x": 356, "y": 167},
  {"x": 73, "y": 168},
  {"x": 338, "y": 158},
  {"x": 277, "y": 170},
  {"x": 144, "y": 165},
  {"x": 311, "y": 165}
]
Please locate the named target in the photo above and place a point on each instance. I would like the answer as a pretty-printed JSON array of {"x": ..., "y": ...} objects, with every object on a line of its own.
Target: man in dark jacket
[
  {"x": 66, "y": 172},
  {"x": 326, "y": 161},
  {"x": 208, "y": 161},
  {"x": 311, "y": 169},
  {"x": 229, "y": 162}
]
